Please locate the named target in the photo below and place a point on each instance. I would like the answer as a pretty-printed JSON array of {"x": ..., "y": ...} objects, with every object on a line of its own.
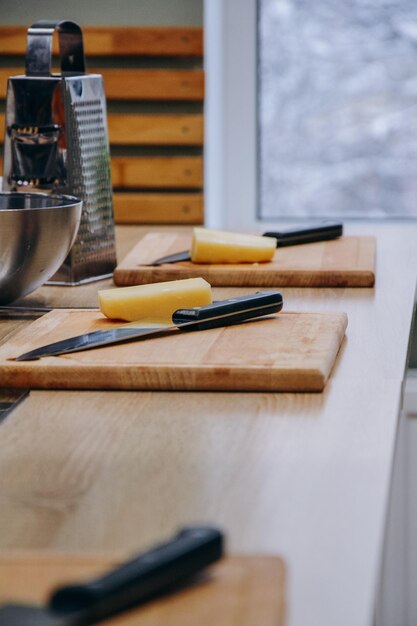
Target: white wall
[
  {"x": 230, "y": 120},
  {"x": 397, "y": 599},
  {"x": 134, "y": 12}
]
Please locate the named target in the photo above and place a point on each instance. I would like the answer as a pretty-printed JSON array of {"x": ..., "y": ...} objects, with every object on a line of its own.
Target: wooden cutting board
[
  {"x": 239, "y": 591},
  {"x": 285, "y": 352},
  {"x": 344, "y": 262}
]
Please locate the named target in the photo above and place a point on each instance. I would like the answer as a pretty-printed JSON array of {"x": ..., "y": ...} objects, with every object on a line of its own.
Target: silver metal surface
[
  {"x": 10, "y": 399},
  {"x": 185, "y": 255},
  {"x": 133, "y": 332},
  {"x": 56, "y": 141},
  {"x": 36, "y": 233},
  {"x": 21, "y": 615},
  {"x": 39, "y": 47},
  {"x": 97, "y": 339},
  {"x": 33, "y": 311}
]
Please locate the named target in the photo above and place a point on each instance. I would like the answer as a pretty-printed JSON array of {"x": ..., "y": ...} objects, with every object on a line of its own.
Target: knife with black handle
[
  {"x": 222, "y": 313},
  {"x": 306, "y": 234},
  {"x": 138, "y": 580},
  {"x": 309, "y": 233}
]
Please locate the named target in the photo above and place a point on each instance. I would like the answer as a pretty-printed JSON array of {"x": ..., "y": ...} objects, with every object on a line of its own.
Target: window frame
[{"x": 230, "y": 163}]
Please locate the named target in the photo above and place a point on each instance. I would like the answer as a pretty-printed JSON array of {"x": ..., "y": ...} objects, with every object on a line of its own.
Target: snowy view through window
[{"x": 337, "y": 109}]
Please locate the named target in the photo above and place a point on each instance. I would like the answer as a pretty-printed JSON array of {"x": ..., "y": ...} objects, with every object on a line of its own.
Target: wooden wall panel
[
  {"x": 119, "y": 41},
  {"x": 165, "y": 84},
  {"x": 154, "y": 103},
  {"x": 148, "y": 130},
  {"x": 158, "y": 208},
  {"x": 156, "y": 130},
  {"x": 138, "y": 84},
  {"x": 154, "y": 172}
]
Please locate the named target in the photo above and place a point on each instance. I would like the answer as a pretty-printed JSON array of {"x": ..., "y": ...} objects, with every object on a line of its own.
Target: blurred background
[
  {"x": 127, "y": 12},
  {"x": 150, "y": 54},
  {"x": 337, "y": 108}
]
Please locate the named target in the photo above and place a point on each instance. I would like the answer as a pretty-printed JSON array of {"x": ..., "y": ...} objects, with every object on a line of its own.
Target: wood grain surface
[
  {"x": 239, "y": 591},
  {"x": 133, "y": 129},
  {"x": 286, "y": 352},
  {"x": 137, "y": 84},
  {"x": 154, "y": 130},
  {"x": 119, "y": 40},
  {"x": 306, "y": 476},
  {"x": 158, "y": 133},
  {"x": 163, "y": 172},
  {"x": 152, "y": 84},
  {"x": 344, "y": 262},
  {"x": 158, "y": 208}
]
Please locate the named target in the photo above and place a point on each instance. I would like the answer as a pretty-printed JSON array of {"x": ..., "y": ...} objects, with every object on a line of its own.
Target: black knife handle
[
  {"x": 141, "y": 578},
  {"x": 236, "y": 309},
  {"x": 307, "y": 234}
]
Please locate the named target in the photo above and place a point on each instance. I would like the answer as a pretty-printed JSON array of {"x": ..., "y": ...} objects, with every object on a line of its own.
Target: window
[{"x": 327, "y": 126}]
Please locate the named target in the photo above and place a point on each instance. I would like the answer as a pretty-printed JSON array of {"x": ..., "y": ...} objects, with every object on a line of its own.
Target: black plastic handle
[
  {"x": 39, "y": 47},
  {"x": 152, "y": 572},
  {"x": 231, "y": 311},
  {"x": 306, "y": 234}
]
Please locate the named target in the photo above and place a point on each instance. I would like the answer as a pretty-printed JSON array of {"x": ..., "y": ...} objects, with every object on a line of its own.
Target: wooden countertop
[{"x": 305, "y": 476}]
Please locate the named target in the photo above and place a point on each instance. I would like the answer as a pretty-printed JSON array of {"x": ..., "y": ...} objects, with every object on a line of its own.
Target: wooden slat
[
  {"x": 163, "y": 172},
  {"x": 138, "y": 84},
  {"x": 167, "y": 84},
  {"x": 155, "y": 172},
  {"x": 158, "y": 208},
  {"x": 149, "y": 130},
  {"x": 119, "y": 41},
  {"x": 4, "y": 75},
  {"x": 155, "y": 130}
]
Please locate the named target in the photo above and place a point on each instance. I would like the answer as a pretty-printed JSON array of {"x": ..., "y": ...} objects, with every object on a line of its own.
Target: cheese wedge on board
[
  {"x": 215, "y": 246},
  {"x": 156, "y": 302}
]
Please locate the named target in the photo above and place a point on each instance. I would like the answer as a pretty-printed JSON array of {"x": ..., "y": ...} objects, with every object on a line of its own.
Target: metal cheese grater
[{"x": 56, "y": 140}]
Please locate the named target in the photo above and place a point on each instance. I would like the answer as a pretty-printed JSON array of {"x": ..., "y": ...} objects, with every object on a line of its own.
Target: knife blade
[
  {"x": 222, "y": 313},
  {"x": 139, "y": 580},
  {"x": 184, "y": 255},
  {"x": 308, "y": 233},
  {"x": 33, "y": 311}
]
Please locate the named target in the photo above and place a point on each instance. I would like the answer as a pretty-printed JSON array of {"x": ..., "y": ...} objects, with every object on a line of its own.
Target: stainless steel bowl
[{"x": 36, "y": 233}]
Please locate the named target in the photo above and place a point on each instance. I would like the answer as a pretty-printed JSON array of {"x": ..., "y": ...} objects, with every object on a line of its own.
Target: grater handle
[{"x": 39, "y": 48}]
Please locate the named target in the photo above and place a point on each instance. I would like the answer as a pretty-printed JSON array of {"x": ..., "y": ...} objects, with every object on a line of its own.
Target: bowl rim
[{"x": 62, "y": 200}]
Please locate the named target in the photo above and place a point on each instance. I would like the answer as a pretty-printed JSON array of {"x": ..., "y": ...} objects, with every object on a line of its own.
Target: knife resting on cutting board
[
  {"x": 215, "y": 315},
  {"x": 137, "y": 581},
  {"x": 309, "y": 233}
]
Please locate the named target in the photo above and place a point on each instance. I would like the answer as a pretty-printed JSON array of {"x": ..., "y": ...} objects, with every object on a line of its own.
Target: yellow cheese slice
[
  {"x": 215, "y": 246},
  {"x": 154, "y": 303}
]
